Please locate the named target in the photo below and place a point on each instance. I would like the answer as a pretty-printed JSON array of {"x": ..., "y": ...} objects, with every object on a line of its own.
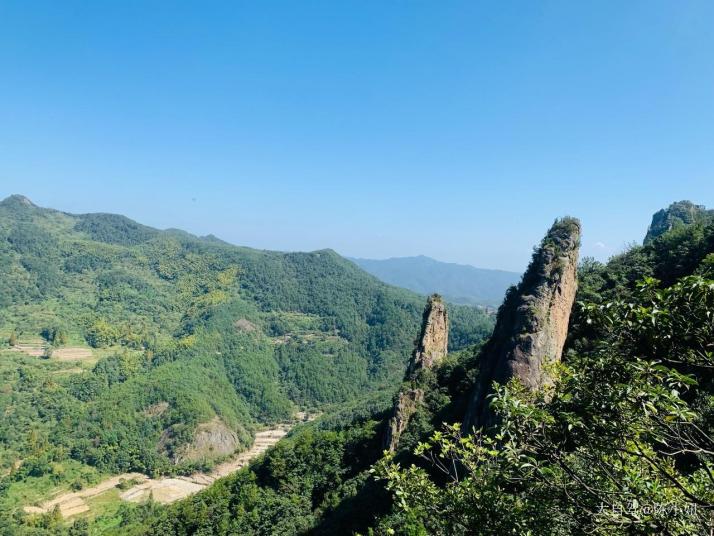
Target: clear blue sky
[{"x": 458, "y": 130}]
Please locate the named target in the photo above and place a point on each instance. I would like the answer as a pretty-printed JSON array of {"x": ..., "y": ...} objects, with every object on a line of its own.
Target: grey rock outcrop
[
  {"x": 406, "y": 405},
  {"x": 211, "y": 440},
  {"x": 532, "y": 323},
  {"x": 676, "y": 214},
  {"x": 433, "y": 342},
  {"x": 431, "y": 347}
]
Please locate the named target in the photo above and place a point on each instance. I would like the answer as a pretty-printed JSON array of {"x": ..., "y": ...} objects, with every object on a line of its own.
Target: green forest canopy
[
  {"x": 205, "y": 328},
  {"x": 624, "y": 446}
]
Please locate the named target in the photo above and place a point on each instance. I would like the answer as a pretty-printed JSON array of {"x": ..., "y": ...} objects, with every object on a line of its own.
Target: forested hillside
[
  {"x": 119, "y": 341},
  {"x": 619, "y": 443}
]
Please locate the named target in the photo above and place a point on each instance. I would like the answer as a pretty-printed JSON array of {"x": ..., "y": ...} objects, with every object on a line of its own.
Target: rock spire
[
  {"x": 532, "y": 323},
  {"x": 431, "y": 347}
]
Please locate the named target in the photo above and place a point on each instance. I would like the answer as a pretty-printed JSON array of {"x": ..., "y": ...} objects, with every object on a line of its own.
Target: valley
[
  {"x": 594, "y": 380},
  {"x": 357, "y": 268},
  {"x": 137, "y": 487},
  {"x": 134, "y": 362}
]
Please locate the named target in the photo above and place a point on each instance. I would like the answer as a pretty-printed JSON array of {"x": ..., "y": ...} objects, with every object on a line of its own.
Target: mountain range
[
  {"x": 130, "y": 353},
  {"x": 131, "y": 319},
  {"x": 458, "y": 283}
]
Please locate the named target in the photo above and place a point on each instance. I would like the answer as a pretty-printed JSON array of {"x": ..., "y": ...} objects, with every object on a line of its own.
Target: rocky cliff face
[
  {"x": 211, "y": 440},
  {"x": 431, "y": 347},
  {"x": 432, "y": 344},
  {"x": 679, "y": 213},
  {"x": 532, "y": 323},
  {"x": 406, "y": 405}
]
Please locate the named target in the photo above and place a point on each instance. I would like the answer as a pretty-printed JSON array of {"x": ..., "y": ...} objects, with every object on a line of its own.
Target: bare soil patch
[
  {"x": 244, "y": 324},
  {"x": 72, "y": 353},
  {"x": 73, "y": 503},
  {"x": 69, "y": 353},
  {"x": 33, "y": 350},
  {"x": 155, "y": 410}
]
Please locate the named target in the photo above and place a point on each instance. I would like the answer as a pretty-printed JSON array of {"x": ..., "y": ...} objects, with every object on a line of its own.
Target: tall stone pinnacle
[
  {"x": 432, "y": 344},
  {"x": 532, "y": 323},
  {"x": 431, "y": 347}
]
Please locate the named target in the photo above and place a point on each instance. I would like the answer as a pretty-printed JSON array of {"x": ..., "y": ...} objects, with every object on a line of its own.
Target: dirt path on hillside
[{"x": 164, "y": 490}]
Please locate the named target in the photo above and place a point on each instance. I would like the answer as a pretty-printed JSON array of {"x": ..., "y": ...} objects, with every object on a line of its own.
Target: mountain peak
[
  {"x": 17, "y": 200},
  {"x": 676, "y": 214}
]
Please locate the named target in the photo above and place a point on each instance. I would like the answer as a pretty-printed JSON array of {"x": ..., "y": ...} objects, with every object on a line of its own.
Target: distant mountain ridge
[{"x": 458, "y": 283}]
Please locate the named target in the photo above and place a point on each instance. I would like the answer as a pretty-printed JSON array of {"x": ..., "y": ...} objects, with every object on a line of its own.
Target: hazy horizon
[
  {"x": 326, "y": 246},
  {"x": 428, "y": 258}
]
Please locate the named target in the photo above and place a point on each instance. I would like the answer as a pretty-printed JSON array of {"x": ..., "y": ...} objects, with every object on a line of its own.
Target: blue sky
[{"x": 458, "y": 130}]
